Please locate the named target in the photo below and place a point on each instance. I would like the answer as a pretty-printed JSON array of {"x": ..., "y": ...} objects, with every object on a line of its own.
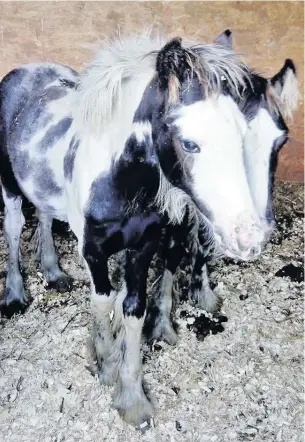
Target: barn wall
[{"x": 266, "y": 32}]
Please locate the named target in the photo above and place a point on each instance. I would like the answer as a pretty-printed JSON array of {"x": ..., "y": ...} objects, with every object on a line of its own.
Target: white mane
[
  {"x": 113, "y": 83},
  {"x": 123, "y": 67}
]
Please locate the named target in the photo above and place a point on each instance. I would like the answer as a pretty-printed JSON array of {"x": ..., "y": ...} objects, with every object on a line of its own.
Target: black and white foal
[{"x": 149, "y": 134}]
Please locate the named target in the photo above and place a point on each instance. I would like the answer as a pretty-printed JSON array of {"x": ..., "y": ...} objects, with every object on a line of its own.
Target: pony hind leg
[
  {"x": 159, "y": 323},
  {"x": 15, "y": 298},
  {"x": 130, "y": 399},
  {"x": 46, "y": 255},
  {"x": 200, "y": 292}
]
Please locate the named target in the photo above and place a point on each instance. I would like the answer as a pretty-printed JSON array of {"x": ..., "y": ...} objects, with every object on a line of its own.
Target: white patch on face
[
  {"x": 258, "y": 144},
  {"x": 218, "y": 127}
]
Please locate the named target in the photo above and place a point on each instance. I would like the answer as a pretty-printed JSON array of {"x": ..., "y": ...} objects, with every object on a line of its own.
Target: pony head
[{"x": 216, "y": 127}]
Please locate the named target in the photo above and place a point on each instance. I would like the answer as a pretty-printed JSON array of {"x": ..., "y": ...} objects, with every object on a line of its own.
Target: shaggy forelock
[{"x": 214, "y": 64}]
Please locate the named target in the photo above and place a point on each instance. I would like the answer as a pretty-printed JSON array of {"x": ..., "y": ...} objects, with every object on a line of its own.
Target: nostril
[
  {"x": 252, "y": 251},
  {"x": 243, "y": 244}
]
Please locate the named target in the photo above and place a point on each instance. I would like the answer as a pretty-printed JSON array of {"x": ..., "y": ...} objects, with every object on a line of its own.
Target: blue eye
[{"x": 190, "y": 146}]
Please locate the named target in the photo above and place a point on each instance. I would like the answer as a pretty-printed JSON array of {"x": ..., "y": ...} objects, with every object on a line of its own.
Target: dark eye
[{"x": 190, "y": 146}]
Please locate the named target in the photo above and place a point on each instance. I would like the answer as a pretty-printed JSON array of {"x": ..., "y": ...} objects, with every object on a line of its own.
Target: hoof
[
  {"x": 14, "y": 307},
  {"x": 106, "y": 367},
  {"x": 62, "y": 284},
  {"x": 134, "y": 409},
  {"x": 164, "y": 331},
  {"x": 14, "y": 301},
  {"x": 206, "y": 300},
  {"x": 108, "y": 372}
]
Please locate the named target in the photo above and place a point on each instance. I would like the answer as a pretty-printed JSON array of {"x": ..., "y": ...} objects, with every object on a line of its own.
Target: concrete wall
[{"x": 266, "y": 32}]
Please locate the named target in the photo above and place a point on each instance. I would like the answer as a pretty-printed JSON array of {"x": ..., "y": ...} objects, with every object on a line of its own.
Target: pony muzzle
[{"x": 245, "y": 242}]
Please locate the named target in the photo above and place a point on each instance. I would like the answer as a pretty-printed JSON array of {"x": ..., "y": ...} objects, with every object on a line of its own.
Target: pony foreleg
[
  {"x": 130, "y": 399},
  {"x": 102, "y": 303}
]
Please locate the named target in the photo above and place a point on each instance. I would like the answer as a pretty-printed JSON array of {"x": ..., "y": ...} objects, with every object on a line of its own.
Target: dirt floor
[{"x": 240, "y": 380}]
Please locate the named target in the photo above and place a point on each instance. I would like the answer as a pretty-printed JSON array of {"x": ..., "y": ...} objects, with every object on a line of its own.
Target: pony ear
[
  {"x": 284, "y": 86},
  {"x": 225, "y": 39},
  {"x": 173, "y": 62}
]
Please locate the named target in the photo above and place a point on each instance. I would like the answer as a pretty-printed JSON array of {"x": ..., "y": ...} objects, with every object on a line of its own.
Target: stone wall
[{"x": 266, "y": 32}]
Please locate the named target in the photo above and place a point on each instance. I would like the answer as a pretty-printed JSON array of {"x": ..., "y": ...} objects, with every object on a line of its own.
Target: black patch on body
[
  {"x": 54, "y": 93},
  {"x": 23, "y": 165},
  {"x": 36, "y": 119},
  {"x": 136, "y": 175},
  {"x": 42, "y": 76},
  {"x": 129, "y": 188},
  {"x": 295, "y": 273},
  {"x": 70, "y": 158},
  {"x": 54, "y": 134},
  {"x": 12, "y": 97},
  {"x": 45, "y": 182},
  {"x": 113, "y": 235},
  {"x": 7, "y": 109}
]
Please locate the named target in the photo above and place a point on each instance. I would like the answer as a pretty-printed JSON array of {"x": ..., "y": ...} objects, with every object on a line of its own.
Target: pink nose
[
  {"x": 250, "y": 242},
  {"x": 244, "y": 241}
]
